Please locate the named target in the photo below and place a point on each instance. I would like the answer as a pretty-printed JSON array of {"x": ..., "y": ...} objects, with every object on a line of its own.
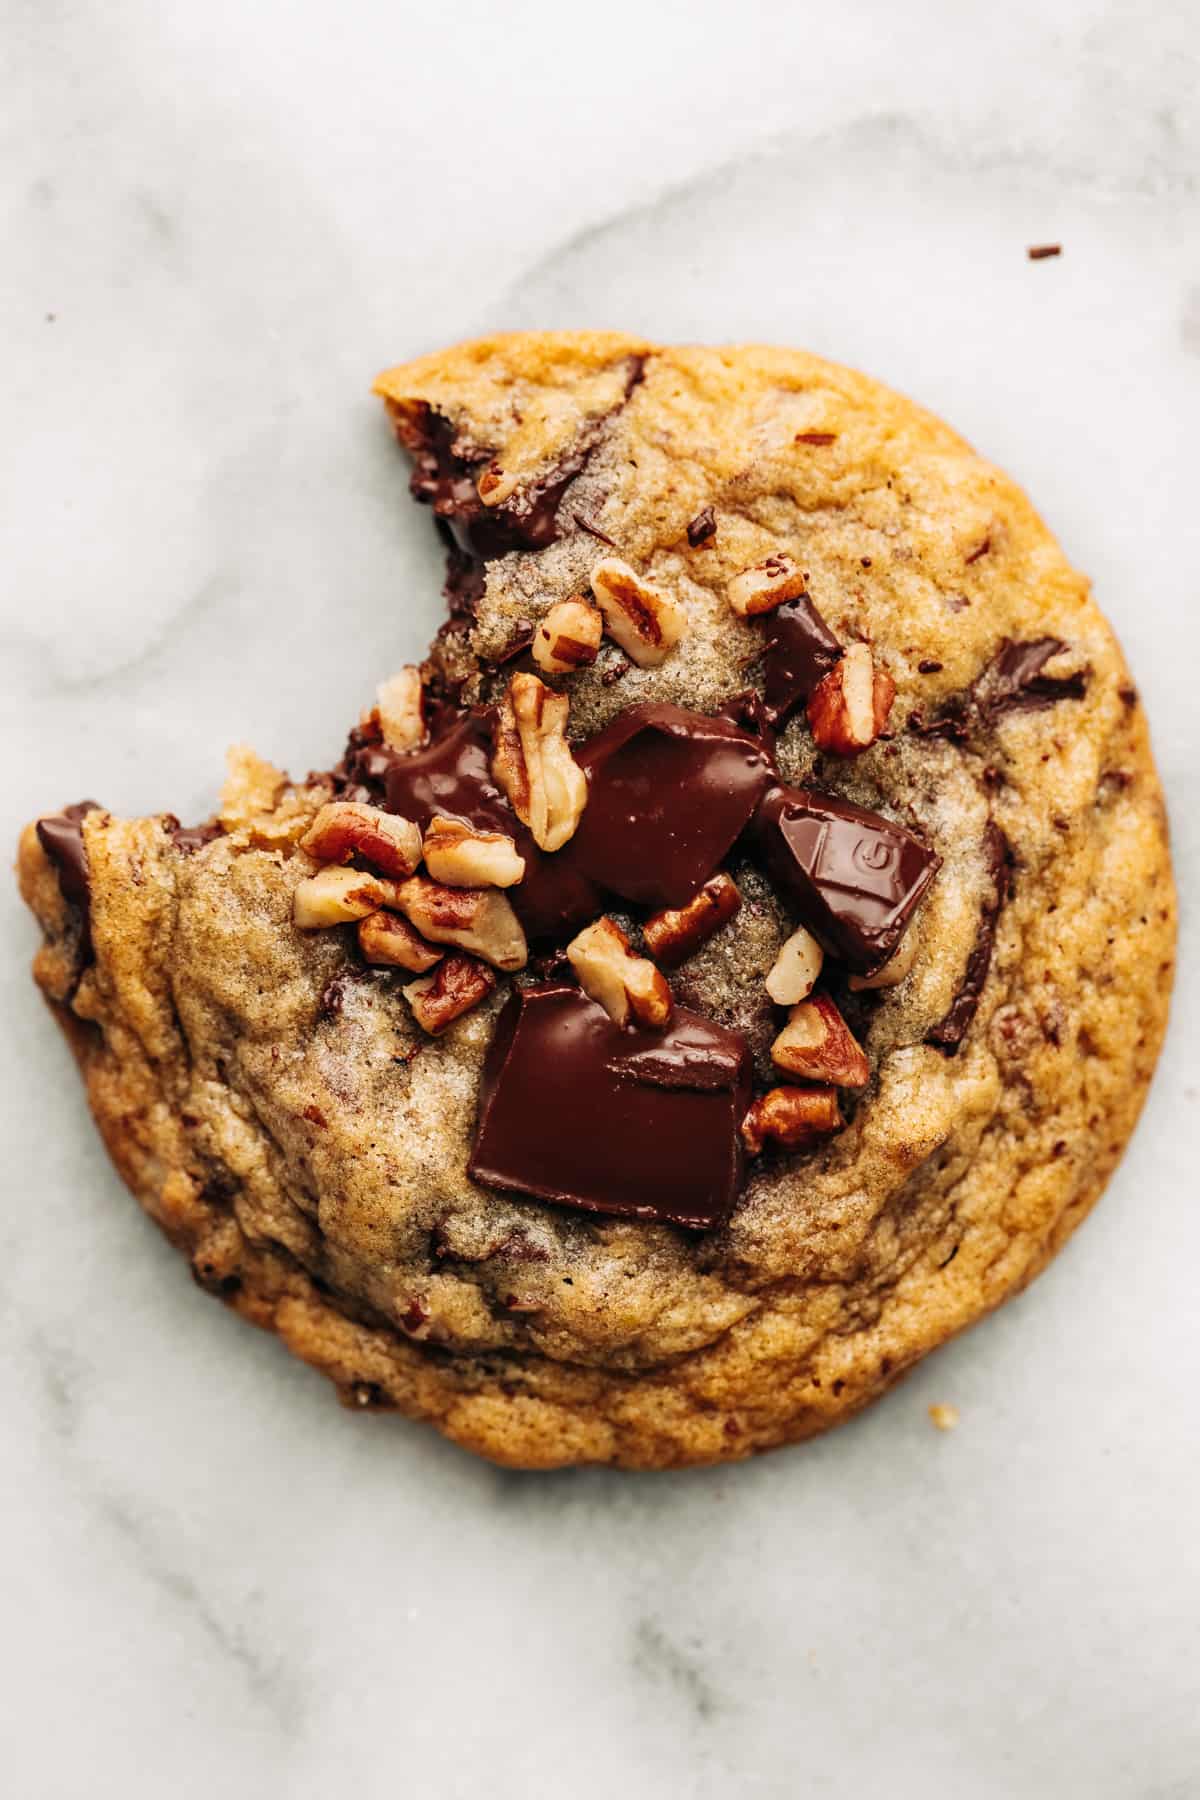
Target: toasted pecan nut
[
  {"x": 795, "y": 970},
  {"x": 400, "y": 705},
  {"x": 678, "y": 932},
  {"x": 767, "y": 585},
  {"x": 849, "y": 707},
  {"x": 496, "y": 485},
  {"x": 335, "y": 896},
  {"x": 893, "y": 971},
  {"x": 628, "y": 987},
  {"x": 792, "y": 1117},
  {"x": 463, "y": 857},
  {"x": 638, "y": 615},
  {"x": 533, "y": 763},
  {"x": 346, "y": 828},
  {"x": 568, "y": 637},
  {"x": 390, "y": 941},
  {"x": 452, "y": 990},
  {"x": 476, "y": 919},
  {"x": 817, "y": 1044}
]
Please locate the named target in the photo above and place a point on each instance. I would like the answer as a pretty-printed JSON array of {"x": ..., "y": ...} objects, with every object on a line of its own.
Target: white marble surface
[{"x": 219, "y": 220}]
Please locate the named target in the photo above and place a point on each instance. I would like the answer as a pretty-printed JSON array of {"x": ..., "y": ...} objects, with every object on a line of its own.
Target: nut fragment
[
  {"x": 626, "y": 986},
  {"x": 568, "y": 637},
  {"x": 453, "y": 989},
  {"x": 533, "y": 763},
  {"x": 476, "y": 919},
  {"x": 646, "y": 622},
  {"x": 767, "y": 585},
  {"x": 792, "y": 1116},
  {"x": 463, "y": 857},
  {"x": 817, "y": 1044},
  {"x": 346, "y": 828},
  {"x": 849, "y": 707},
  {"x": 496, "y": 485},
  {"x": 401, "y": 708},
  {"x": 391, "y": 942},
  {"x": 678, "y": 932},
  {"x": 333, "y": 896},
  {"x": 893, "y": 971},
  {"x": 794, "y": 972}
]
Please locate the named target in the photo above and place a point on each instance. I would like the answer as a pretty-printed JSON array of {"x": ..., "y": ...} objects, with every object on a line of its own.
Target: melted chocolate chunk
[
  {"x": 445, "y": 477},
  {"x": 853, "y": 876},
  {"x": 642, "y": 1125},
  {"x": 669, "y": 793},
  {"x": 452, "y": 776},
  {"x": 950, "y": 722},
  {"x": 190, "y": 838},
  {"x": 1013, "y": 680},
  {"x": 463, "y": 587},
  {"x": 61, "y": 837},
  {"x": 446, "y": 473},
  {"x": 800, "y": 651},
  {"x": 952, "y": 1028}
]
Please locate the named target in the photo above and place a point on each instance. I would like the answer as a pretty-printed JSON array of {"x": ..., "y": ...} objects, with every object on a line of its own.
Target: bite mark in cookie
[{"x": 482, "y": 1195}]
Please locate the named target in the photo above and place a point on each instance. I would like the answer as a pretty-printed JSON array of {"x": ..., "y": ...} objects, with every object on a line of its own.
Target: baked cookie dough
[{"x": 730, "y": 966}]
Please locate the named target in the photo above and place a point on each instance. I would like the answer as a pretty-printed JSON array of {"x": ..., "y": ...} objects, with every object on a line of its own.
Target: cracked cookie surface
[{"x": 273, "y": 1103}]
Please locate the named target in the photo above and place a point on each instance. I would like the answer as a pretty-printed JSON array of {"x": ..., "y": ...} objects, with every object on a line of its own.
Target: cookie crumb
[
  {"x": 1039, "y": 252},
  {"x": 944, "y": 1417}
]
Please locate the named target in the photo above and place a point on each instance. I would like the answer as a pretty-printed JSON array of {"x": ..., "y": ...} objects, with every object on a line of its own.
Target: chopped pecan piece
[
  {"x": 791, "y": 1116},
  {"x": 817, "y": 1044},
  {"x": 893, "y": 971},
  {"x": 401, "y": 709},
  {"x": 849, "y": 708},
  {"x": 346, "y": 828},
  {"x": 795, "y": 970},
  {"x": 638, "y": 615},
  {"x": 626, "y": 986},
  {"x": 767, "y": 585},
  {"x": 334, "y": 896},
  {"x": 390, "y": 941},
  {"x": 568, "y": 637},
  {"x": 533, "y": 763},
  {"x": 463, "y": 857},
  {"x": 678, "y": 932},
  {"x": 476, "y": 919},
  {"x": 452, "y": 990}
]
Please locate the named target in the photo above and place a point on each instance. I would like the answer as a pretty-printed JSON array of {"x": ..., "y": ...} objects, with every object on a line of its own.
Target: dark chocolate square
[{"x": 639, "y": 1124}]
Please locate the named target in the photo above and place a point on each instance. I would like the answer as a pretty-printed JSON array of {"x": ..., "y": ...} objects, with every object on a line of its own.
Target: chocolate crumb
[
  {"x": 929, "y": 667},
  {"x": 1039, "y": 252},
  {"x": 702, "y": 528},
  {"x": 517, "y": 644},
  {"x": 1128, "y": 696},
  {"x": 616, "y": 670},
  {"x": 819, "y": 438},
  {"x": 865, "y": 561},
  {"x": 585, "y": 524}
]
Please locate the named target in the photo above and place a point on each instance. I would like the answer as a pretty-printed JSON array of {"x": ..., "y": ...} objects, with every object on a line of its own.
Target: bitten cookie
[{"x": 730, "y": 965}]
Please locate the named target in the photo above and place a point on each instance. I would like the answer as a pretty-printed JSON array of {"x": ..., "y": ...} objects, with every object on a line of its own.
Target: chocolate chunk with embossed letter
[{"x": 855, "y": 878}]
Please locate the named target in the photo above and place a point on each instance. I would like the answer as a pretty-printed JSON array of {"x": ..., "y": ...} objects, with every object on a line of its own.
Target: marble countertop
[{"x": 220, "y": 220}]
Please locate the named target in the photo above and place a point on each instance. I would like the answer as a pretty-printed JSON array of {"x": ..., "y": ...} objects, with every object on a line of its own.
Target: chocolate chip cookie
[{"x": 732, "y": 963}]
